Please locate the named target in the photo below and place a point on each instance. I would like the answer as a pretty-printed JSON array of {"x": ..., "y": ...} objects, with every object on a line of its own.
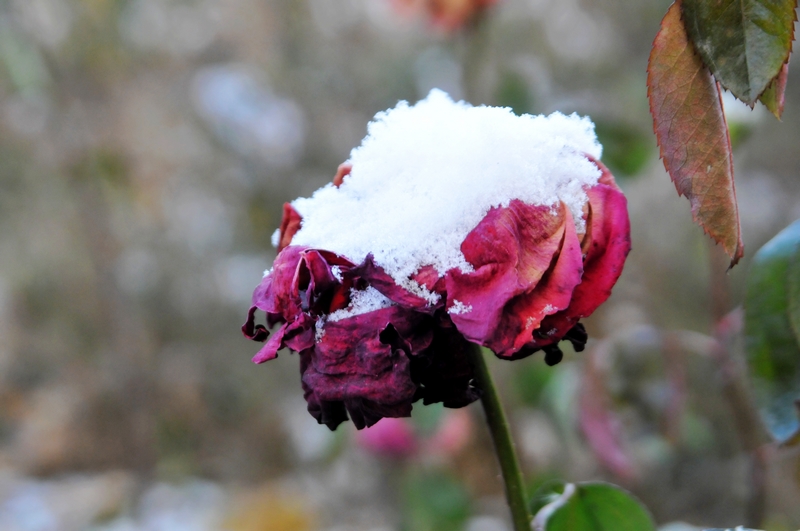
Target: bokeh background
[{"x": 146, "y": 149}]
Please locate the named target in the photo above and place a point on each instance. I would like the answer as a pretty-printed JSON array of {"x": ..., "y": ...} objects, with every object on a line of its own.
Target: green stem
[{"x": 503, "y": 445}]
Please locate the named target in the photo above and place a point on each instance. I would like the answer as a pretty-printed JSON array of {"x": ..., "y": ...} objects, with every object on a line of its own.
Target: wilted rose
[
  {"x": 534, "y": 277},
  {"x": 449, "y": 226}
]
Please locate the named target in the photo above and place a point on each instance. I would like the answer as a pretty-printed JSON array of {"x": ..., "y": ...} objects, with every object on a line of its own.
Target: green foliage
[
  {"x": 772, "y": 311},
  {"x": 626, "y": 149},
  {"x": 594, "y": 507},
  {"x": 530, "y": 379},
  {"x": 545, "y": 494},
  {"x": 435, "y": 502},
  {"x": 743, "y": 42},
  {"x": 512, "y": 92}
]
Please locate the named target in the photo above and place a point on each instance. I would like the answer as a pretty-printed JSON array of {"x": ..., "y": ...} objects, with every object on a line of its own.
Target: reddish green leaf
[
  {"x": 690, "y": 127},
  {"x": 743, "y": 42},
  {"x": 773, "y": 97}
]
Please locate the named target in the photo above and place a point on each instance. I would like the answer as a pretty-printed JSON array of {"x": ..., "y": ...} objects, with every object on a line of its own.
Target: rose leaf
[
  {"x": 743, "y": 42},
  {"x": 773, "y": 96},
  {"x": 593, "y": 507},
  {"x": 772, "y": 322},
  {"x": 692, "y": 134}
]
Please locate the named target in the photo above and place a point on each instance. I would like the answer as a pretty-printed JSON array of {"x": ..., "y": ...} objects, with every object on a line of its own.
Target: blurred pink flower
[
  {"x": 389, "y": 437},
  {"x": 533, "y": 278},
  {"x": 398, "y": 438}
]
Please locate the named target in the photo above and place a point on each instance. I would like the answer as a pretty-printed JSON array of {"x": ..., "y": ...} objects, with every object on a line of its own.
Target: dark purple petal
[
  {"x": 329, "y": 413},
  {"x": 253, "y": 331},
  {"x": 277, "y": 294},
  {"x": 270, "y": 350},
  {"x": 443, "y": 371},
  {"x": 351, "y": 364},
  {"x": 297, "y": 335},
  {"x": 320, "y": 291}
]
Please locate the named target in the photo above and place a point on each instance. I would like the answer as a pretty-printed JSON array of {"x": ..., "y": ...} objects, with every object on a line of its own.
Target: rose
[{"x": 534, "y": 276}]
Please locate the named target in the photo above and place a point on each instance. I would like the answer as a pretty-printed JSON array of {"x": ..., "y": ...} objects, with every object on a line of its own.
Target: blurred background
[{"x": 146, "y": 149}]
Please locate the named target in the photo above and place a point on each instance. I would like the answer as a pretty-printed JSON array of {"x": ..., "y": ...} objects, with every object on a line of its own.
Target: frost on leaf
[{"x": 692, "y": 134}]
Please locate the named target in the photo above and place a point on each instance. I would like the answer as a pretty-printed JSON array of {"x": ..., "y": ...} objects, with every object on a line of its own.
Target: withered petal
[
  {"x": 608, "y": 246},
  {"x": 524, "y": 314},
  {"x": 511, "y": 249},
  {"x": 290, "y": 224}
]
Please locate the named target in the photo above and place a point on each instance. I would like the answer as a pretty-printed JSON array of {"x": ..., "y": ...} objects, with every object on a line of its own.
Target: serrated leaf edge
[
  {"x": 785, "y": 61},
  {"x": 738, "y": 252}
]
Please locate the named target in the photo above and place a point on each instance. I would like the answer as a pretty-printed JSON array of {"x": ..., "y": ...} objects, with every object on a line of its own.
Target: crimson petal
[
  {"x": 607, "y": 244},
  {"x": 553, "y": 293},
  {"x": 511, "y": 249},
  {"x": 290, "y": 224}
]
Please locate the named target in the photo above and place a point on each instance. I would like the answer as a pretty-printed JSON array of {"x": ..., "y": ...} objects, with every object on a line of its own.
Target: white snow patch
[
  {"x": 319, "y": 331},
  {"x": 459, "y": 307},
  {"x": 361, "y": 301},
  {"x": 419, "y": 290},
  {"x": 425, "y": 176},
  {"x": 275, "y": 239},
  {"x": 336, "y": 271},
  {"x": 268, "y": 272}
]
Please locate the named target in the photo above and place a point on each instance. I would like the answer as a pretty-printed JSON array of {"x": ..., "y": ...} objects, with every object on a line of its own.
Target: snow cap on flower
[
  {"x": 449, "y": 225},
  {"x": 427, "y": 174}
]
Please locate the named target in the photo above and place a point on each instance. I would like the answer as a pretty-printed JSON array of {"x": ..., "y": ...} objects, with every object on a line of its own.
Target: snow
[
  {"x": 319, "y": 329},
  {"x": 459, "y": 307},
  {"x": 361, "y": 301},
  {"x": 425, "y": 176}
]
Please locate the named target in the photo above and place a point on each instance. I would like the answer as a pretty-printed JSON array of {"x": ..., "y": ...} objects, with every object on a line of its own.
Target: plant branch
[
  {"x": 503, "y": 444},
  {"x": 751, "y": 432}
]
